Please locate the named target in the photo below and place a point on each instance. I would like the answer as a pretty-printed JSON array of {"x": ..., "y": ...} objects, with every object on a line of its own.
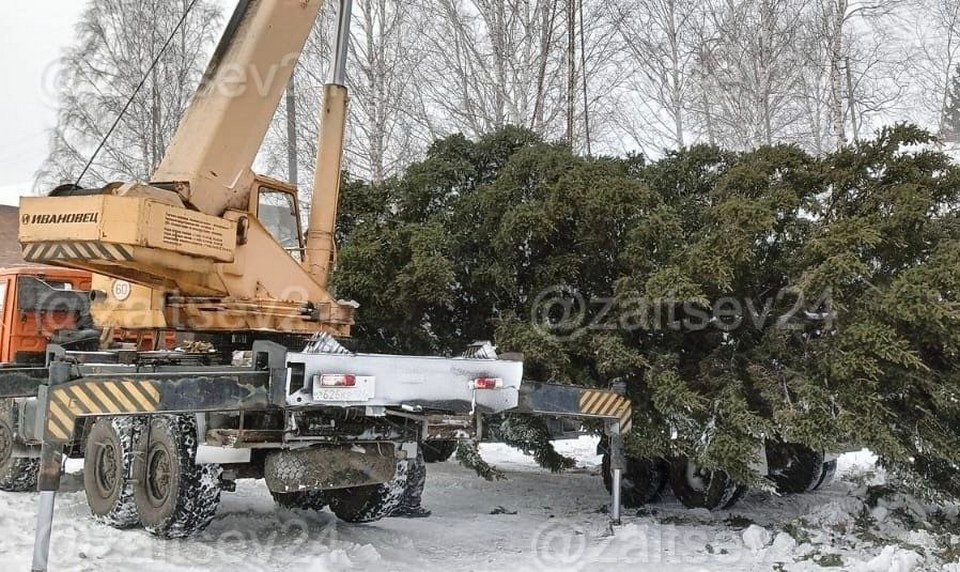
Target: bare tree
[
  {"x": 856, "y": 36},
  {"x": 935, "y": 30},
  {"x": 491, "y": 63},
  {"x": 661, "y": 41},
  {"x": 387, "y": 126},
  {"x": 750, "y": 71},
  {"x": 104, "y": 68}
]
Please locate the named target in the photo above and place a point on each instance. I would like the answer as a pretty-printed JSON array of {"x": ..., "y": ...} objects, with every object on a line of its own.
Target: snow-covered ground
[{"x": 534, "y": 520}]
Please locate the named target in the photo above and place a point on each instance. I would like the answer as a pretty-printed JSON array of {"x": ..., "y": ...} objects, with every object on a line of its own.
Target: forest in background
[{"x": 610, "y": 77}]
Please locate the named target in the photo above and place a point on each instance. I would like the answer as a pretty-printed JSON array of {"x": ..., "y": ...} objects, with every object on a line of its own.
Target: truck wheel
[
  {"x": 696, "y": 487},
  {"x": 175, "y": 497},
  {"x": 794, "y": 468},
  {"x": 410, "y": 505},
  {"x": 438, "y": 451},
  {"x": 371, "y": 503},
  {"x": 17, "y": 474},
  {"x": 642, "y": 480},
  {"x": 304, "y": 500},
  {"x": 107, "y": 459}
]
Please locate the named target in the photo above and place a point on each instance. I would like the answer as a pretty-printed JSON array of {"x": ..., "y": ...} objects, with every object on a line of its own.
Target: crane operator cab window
[{"x": 277, "y": 211}]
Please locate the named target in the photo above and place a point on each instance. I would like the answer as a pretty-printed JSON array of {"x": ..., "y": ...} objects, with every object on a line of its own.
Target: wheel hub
[
  {"x": 6, "y": 443},
  {"x": 159, "y": 476},
  {"x": 107, "y": 468}
]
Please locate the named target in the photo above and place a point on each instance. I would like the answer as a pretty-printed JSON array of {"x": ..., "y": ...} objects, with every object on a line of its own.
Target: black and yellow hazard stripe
[
  {"x": 88, "y": 398},
  {"x": 608, "y": 404},
  {"x": 49, "y": 251}
]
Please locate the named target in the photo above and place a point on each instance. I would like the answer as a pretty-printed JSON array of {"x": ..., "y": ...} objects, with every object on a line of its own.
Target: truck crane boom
[{"x": 223, "y": 244}]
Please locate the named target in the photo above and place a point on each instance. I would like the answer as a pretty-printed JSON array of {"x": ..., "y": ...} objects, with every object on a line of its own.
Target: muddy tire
[
  {"x": 412, "y": 498},
  {"x": 17, "y": 474},
  {"x": 700, "y": 488},
  {"x": 371, "y": 503},
  {"x": 107, "y": 462},
  {"x": 438, "y": 451},
  {"x": 794, "y": 468},
  {"x": 175, "y": 497},
  {"x": 641, "y": 482},
  {"x": 303, "y": 500}
]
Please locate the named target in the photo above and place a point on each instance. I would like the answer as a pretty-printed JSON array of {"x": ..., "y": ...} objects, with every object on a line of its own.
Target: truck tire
[
  {"x": 642, "y": 480},
  {"x": 438, "y": 451},
  {"x": 371, "y": 503},
  {"x": 700, "y": 488},
  {"x": 303, "y": 500},
  {"x": 794, "y": 468},
  {"x": 412, "y": 499},
  {"x": 17, "y": 474},
  {"x": 175, "y": 497},
  {"x": 107, "y": 460}
]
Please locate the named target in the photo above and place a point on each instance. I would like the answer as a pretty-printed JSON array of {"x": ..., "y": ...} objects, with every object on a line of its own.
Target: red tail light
[
  {"x": 338, "y": 380},
  {"x": 488, "y": 383}
]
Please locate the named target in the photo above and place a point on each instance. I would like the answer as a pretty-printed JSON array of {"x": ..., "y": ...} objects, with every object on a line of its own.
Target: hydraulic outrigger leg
[
  {"x": 51, "y": 470},
  {"x": 617, "y": 463}
]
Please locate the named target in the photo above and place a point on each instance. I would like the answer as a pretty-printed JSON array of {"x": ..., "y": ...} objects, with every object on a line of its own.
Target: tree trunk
[
  {"x": 836, "y": 71},
  {"x": 571, "y": 70}
]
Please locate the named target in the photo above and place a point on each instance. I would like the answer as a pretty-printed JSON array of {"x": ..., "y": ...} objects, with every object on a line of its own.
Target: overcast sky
[{"x": 33, "y": 35}]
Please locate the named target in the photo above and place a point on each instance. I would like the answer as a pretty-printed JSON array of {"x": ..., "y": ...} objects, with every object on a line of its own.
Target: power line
[{"x": 136, "y": 92}]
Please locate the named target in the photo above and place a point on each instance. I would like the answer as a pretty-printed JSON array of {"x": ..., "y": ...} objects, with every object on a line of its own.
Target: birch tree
[
  {"x": 659, "y": 39},
  {"x": 117, "y": 42},
  {"x": 493, "y": 63},
  {"x": 861, "y": 59},
  {"x": 935, "y": 29},
  {"x": 386, "y": 125},
  {"x": 750, "y": 71}
]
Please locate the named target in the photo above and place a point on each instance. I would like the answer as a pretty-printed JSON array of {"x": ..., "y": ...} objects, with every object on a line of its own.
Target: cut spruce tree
[{"x": 742, "y": 296}]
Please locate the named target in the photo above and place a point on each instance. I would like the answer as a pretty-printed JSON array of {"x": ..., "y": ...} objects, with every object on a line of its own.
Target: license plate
[{"x": 363, "y": 391}]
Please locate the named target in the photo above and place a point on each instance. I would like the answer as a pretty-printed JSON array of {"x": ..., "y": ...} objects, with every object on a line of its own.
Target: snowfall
[{"x": 532, "y": 520}]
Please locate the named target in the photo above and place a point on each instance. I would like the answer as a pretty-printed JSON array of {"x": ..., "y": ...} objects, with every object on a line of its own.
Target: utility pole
[
  {"x": 583, "y": 72},
  {"x": 571, "y": 69},
  {"x": 292, "y": 173}
]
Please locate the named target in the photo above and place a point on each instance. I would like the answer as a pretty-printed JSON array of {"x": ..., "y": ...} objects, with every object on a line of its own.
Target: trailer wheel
[
  {"x": 304, "y": 500},
  {"x": 438, "y": 451},
  {"x": 641, "y": 482},
  {"x": 697, "y": 487},
  {"x": 373, "y": 502},
  {"x": 794, "y": 468},
  {"x": 107, "y": 459},
  {"x": 17, "y": 474},
  {"x": 175, "y": 497}
]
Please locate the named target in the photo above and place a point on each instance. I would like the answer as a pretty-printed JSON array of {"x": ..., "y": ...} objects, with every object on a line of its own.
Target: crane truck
[
  {"x": 222, "y": 256},
  {"x": 221, "y": 250}
]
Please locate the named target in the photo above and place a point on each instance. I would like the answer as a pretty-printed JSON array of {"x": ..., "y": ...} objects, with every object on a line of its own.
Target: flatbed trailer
[{"x": 321, "y": 424}]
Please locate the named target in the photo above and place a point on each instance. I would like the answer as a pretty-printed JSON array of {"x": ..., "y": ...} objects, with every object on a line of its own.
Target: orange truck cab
[{"x": 43, "y": 305}]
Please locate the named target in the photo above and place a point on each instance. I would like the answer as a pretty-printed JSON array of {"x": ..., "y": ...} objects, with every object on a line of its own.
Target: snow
[
  {"x": 532, "y": 521},
  {"x": 891, "y": 559},
  {"x": 756, "y": 538}
]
